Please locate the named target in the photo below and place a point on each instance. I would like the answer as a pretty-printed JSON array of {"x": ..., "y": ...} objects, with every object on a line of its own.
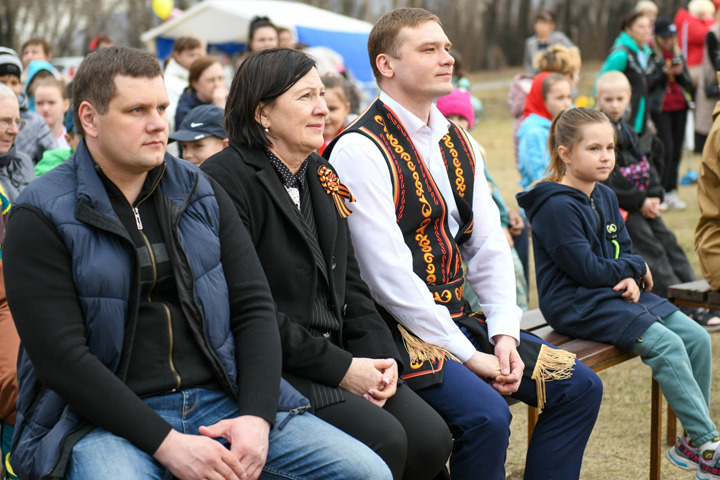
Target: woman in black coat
[{"x": 337, "y": 350}]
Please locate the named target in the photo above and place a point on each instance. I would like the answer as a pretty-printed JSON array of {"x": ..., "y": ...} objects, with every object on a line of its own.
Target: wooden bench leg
[
  {"x": 655, "y": 431},
  {"x": 671, "y": 426},
  {"x": 532, "y": 421}
]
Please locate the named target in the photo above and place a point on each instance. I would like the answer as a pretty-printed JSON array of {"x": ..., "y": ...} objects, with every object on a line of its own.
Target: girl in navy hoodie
[{"x": 591, "y": 286}]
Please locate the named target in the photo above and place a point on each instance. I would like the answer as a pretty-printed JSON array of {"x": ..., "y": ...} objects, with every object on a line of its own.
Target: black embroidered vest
[
  {"x": 422, "y": 213},
  {"x": 422, "y": 216}
]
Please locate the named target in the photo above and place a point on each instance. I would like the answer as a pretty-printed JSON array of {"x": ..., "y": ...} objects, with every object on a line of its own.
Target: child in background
[
  {"x": 37, "y": 71},
  {"x": 201, "y": 134},
  {"x": 337, "y": 97},
  {"x": 639, "y": 193},
  {"x": 591, "y": 285},
  {"x": 556, "y": 58},
  {"x": 52, "y": 103},
  {"x": 549, "y": 95},
  {"x": 457, "y": 108},
  {"x": 53, "y": 158}
]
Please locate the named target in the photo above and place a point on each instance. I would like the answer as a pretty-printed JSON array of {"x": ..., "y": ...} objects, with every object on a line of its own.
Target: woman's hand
[
  {"x": 379, "y": 396},
  {"x": 632, "y": 291},
  {"x": 366, "y": 374}
]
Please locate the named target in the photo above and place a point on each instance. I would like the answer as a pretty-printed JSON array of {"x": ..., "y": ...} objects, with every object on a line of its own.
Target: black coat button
[{"x": 330, "y": 305}]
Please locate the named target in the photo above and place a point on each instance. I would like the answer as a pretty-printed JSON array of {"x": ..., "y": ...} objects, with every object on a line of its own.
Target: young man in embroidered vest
[
  {"x": 422, "y": 206},
  {"x": 148, "y": 329}
]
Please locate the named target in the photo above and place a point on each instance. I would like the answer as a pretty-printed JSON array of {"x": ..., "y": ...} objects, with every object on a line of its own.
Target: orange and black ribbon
[{"x": 332, "y": 186}]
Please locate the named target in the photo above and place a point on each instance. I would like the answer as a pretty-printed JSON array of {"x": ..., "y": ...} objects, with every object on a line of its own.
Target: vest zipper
[
  {"x": 178, "y": 379},
  {"x": 138, "y": 220}
]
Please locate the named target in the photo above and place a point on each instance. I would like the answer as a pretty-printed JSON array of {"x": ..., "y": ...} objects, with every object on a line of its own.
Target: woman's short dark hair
[
  {"x": 628, "y": 20},
  {"x": 259, "y": 80}
]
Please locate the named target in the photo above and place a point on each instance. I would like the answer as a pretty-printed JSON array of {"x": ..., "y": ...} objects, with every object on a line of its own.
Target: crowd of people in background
[{"x": 251, "y": 250}]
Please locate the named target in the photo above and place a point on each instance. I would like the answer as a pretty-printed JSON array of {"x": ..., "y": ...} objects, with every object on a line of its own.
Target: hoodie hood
[
  {"x": 35, "y": 67},
  {"x": 535, "y": 103},
  {"x": 533, "y": 199}
]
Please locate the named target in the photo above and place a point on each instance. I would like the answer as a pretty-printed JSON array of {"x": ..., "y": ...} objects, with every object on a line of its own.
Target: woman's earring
[{"x": 267, "y": 130}]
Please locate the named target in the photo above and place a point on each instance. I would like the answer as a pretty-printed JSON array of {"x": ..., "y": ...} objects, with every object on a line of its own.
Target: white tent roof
[{"x": 225, "y": 21}]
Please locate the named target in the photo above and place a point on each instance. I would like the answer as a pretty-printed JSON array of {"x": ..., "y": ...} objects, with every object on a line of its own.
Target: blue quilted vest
[{"x": 73, "y": 198}]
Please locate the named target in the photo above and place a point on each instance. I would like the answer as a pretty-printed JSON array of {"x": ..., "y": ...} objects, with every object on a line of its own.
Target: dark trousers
[
  {"x": 657, "y": 245},
  {"x": 407, "y": 433},
  {"x": 671, "y": 130},
  {"x": 479, "y": 419}
]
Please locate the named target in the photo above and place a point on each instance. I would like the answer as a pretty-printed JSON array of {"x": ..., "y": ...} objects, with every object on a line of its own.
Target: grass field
[{"x": 619, "y": 447}]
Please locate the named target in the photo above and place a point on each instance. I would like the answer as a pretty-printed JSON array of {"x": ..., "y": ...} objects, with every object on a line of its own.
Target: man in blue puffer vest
[{"x": 147, "y": 326}]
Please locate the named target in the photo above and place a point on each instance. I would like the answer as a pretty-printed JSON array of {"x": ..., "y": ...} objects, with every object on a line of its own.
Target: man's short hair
[
  {"x": 94, "y": 81},
  {"x": 37, "y": 41},
  {"x": 385, "y": 35}
]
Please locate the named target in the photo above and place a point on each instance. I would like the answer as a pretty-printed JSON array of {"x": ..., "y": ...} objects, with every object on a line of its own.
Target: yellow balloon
[{"x": 163, "y": 8}]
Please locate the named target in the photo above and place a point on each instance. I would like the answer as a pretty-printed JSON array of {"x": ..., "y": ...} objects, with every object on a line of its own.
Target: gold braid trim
[
  {"x": 420, "y": 351},
  {"x": 552, "y": 364}
]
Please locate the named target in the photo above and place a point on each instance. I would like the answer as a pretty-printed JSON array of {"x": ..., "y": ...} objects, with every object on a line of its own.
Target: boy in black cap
[{"x": 201, "y": 134}]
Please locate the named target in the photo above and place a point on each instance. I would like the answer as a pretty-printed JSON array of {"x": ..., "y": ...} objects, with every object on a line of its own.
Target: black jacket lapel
[
  {"x": 269, "y": 180},
  {"x": 324, "y": 210}
]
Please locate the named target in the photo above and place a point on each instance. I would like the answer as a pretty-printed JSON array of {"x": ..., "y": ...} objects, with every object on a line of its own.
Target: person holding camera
[{"x": 669, "y": 85}]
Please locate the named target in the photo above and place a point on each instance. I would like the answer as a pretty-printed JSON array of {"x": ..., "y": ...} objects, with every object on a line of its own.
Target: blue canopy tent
[{"x": 224, "y": 24}]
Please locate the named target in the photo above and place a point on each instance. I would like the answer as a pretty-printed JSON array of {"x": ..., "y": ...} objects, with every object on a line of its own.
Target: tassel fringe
[
  {"x": 552, "y": 364},
  {"x": 420, "y": 351}
]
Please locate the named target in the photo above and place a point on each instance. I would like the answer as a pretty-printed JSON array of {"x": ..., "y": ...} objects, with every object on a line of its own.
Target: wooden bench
[
  {"x": 694, "y": 294},
  {"x": 599, "y": 356}
]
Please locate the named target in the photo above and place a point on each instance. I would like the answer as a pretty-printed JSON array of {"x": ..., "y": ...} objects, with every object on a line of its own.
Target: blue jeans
[
  {"x": 679, "y": 353},
  {"x": 305, "y": 448},
  {"x": 479, "y": 419}
]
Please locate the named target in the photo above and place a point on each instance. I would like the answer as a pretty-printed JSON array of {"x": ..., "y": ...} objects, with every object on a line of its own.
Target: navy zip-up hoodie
[{"x": 576, "y": 267}]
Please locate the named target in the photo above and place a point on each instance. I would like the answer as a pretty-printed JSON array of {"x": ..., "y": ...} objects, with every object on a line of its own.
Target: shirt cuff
[
  {"x": 503, "y": 325},
  {"x": 460, "y": 346}
]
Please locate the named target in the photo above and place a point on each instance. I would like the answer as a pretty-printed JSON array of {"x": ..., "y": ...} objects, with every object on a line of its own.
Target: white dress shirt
[{"x": 385, "y": 260}]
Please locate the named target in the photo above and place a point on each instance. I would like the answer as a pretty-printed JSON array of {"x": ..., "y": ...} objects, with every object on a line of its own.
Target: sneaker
[
  {"x": 709, "y": 468},
  {"x": 673, "y": 201},
  {"x": 684, "y": 454}
]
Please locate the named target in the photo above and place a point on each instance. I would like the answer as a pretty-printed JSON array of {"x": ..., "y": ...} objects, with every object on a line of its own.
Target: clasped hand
[
  {"x": 197, "y": 457},
  {"x": 630, "y": 285},
  {"x": 374, "y": 379},
  {"x": 503, "y": 370}
]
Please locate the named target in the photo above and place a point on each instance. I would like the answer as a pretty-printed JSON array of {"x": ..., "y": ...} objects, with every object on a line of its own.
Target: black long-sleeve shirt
[{"x": 49, "y": 319}]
